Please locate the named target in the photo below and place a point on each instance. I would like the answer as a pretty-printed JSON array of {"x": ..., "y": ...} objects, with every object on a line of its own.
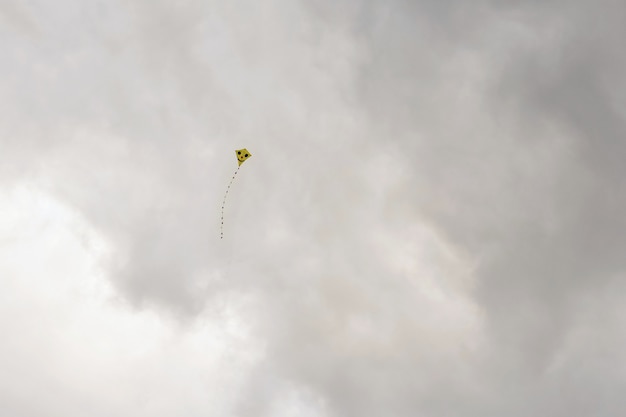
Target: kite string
[{"x": 224, "y": 202}]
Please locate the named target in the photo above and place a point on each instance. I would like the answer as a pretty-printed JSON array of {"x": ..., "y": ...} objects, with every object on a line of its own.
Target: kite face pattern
[{"x": 242, "y": 155}]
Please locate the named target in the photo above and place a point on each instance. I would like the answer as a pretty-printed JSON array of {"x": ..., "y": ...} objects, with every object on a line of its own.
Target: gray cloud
[
  {"x": 522, "y": 186},
  {"x": 431, "y": 220}
]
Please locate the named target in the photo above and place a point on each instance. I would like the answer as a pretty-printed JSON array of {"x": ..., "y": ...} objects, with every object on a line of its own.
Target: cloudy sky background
[{"x": 431, "y": 224}]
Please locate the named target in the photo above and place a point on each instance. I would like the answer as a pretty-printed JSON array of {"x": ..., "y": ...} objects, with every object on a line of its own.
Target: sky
[{"x": 431, "y": 223}]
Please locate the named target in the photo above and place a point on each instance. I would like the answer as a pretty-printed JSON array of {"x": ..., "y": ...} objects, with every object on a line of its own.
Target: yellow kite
[{"x": 242, "y": 155}]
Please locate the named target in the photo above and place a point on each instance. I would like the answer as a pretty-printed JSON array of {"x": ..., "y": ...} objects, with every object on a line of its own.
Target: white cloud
[{"x": 71, "y": 346}]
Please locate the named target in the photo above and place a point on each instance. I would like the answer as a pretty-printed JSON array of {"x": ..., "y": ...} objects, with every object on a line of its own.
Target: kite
[{"x": 242, "y": 155}]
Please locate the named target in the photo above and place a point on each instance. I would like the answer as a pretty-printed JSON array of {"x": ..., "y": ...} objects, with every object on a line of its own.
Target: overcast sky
[{"x": 432, "y": 222}]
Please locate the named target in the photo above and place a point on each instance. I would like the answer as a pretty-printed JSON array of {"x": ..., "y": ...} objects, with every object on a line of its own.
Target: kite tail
[{"x": 224, "y": 202}]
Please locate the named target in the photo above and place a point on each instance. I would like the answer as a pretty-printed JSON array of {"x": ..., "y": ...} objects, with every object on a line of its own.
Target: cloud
[
  {"x": 76, "y": 346},
  {"x": 430, "y": 223}
]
